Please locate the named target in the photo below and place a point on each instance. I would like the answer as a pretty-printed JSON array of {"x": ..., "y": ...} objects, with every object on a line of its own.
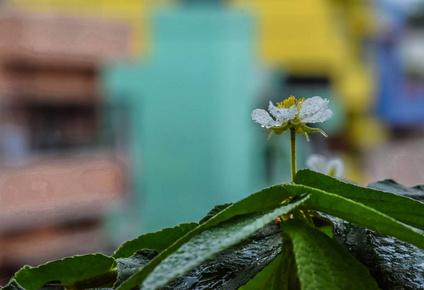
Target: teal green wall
[{"x": 192, "y": 143}]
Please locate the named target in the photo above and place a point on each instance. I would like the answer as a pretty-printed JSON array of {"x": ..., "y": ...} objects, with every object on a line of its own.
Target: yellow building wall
[{"x": 317, "y": 37}]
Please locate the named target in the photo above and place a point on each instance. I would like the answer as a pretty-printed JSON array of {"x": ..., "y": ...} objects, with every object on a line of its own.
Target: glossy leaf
[
  {"x": 322, "y": 263},
  {"x": 206, "y": 241},
  {"x": 286, "y": 276},
  {"x": 266, "y": 199},
  {"x": 358, "y": 213},
  {"x": 157, "y": 241},
  {"x": 404, "y": 209},
  {"x": 89, "y": 271}
]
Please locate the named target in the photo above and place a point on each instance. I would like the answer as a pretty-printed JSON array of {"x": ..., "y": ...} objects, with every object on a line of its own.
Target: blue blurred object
[
  {"x": 401, "y": 95},
  {"x": 190, "y": 104}
]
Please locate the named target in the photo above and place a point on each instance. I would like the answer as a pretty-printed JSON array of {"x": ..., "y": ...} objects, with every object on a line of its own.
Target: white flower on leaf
[
  {"x": 293, "y": 114},
  {"x": 333, "y": 167}
]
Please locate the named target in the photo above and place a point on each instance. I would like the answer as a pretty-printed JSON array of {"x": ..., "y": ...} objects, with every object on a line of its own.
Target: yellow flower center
[{"x": 291, "y": 101}]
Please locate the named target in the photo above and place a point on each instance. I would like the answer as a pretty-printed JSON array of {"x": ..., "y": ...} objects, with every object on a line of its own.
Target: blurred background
[{"x": 123, "y": 117}]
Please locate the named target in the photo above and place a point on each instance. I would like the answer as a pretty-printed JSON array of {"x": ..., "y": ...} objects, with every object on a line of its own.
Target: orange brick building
[{"x": 56, "y": 177}]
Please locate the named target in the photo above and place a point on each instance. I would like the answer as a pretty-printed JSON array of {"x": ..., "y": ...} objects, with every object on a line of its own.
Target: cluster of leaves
[{"x": 310, "y": 258}]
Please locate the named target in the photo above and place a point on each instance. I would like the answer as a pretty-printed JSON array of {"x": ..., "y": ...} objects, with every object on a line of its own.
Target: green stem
[{"x": 293, "y": 153}]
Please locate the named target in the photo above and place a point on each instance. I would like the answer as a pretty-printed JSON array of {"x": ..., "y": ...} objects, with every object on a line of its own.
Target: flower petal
[
  {"x": 315, "y": 110},
  {"x": 336, "y": 167},
  {"x": 262, "y": 117},
  {"x": 317, "y": 163},
  {"x": 282, "y": 115},
  {"x": 333, "y": 167}
]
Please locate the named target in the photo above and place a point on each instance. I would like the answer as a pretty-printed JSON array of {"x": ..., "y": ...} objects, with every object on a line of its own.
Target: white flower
[
  {"x": 281, "y": 116},
  {"x": 333, "y": 167},
  {"x": 293, "y": 114},
  {"x": 315, "y": 110}
]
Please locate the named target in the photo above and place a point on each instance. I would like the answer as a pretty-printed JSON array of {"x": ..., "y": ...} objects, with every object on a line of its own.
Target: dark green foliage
[
  {"x": 79, "y": 272},
  {"x": 401, "y": 208},
  {"x": 309, "y": 259},
  {"x": 157, "y": 241},
  {"x": 321, "y": 263}
]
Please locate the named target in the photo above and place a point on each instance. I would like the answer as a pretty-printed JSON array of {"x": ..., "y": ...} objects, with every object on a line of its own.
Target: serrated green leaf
[
  {"x": 77, "y": 270},
  {"x": 157, "y": 241},
  {"x": 264, "y": 280},
  {"x": 266, "y": 199},
  {"x": 404, "y": 209},
  {"x": 200, "y": 244},
  {"x": 286, "y": 276},
  {"x": 358, "y": 213},
  {"x": 210, "y": 242},
  {"x": 322, "y": 263}
]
